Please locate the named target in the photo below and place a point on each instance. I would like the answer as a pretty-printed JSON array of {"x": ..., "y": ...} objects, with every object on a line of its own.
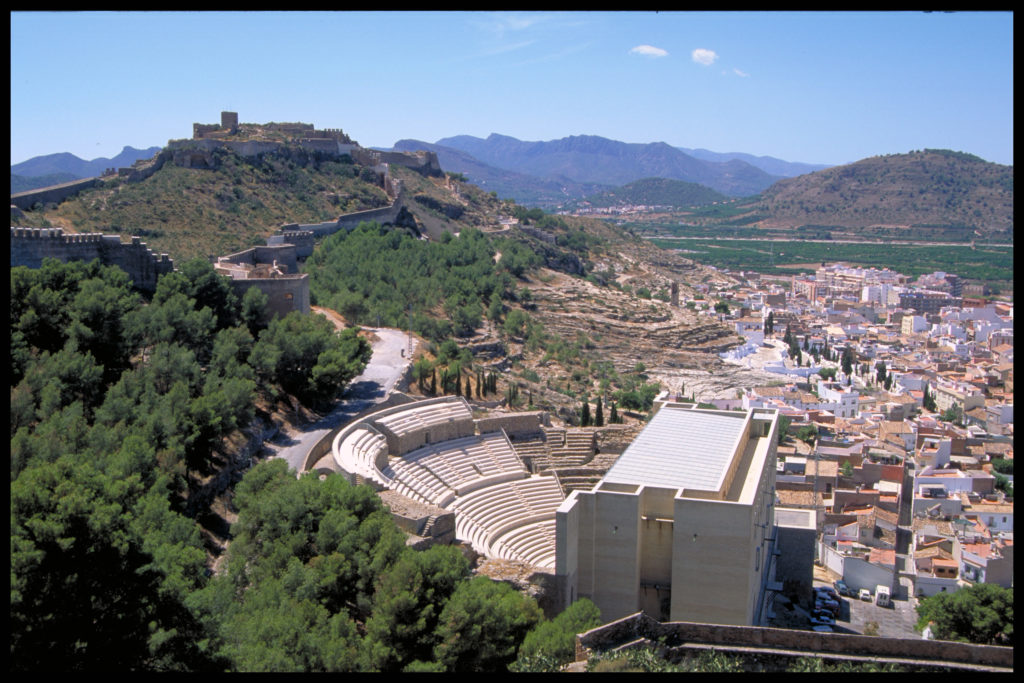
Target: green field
[{"x": 984, "y": 263}]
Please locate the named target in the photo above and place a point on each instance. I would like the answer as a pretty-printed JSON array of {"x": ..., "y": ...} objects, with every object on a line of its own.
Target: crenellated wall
[{"x": 29, "y": 246}]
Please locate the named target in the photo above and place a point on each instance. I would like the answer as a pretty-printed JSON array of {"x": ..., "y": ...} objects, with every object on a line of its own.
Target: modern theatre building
[{"x": 682, "y": 526}]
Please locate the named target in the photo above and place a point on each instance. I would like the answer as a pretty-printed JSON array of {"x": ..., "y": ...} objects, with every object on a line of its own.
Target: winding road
[{"x": 391, "y": 354}]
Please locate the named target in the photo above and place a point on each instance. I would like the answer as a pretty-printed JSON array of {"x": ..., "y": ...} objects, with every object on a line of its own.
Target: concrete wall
[{"x": 712, "y": 577}]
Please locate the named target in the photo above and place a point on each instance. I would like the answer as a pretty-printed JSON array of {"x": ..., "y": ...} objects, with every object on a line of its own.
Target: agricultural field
[{"x": 982, "y": 263}]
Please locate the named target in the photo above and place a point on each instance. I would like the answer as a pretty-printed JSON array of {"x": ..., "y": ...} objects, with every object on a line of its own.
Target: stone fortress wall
[{"x": 29, "y": 246}]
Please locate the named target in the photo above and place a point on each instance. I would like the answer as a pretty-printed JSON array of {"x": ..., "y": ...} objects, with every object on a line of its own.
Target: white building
[{"x": 682, "y": 526}]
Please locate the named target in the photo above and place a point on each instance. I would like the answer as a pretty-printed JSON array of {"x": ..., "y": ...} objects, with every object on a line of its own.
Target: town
[{"x": 900, "y": 396}]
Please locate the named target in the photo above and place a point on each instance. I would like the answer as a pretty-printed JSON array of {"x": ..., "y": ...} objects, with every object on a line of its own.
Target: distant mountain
[
  {"x": 597, "y": 160},
  {"x": 677, "y": 194},
  {"x": 525, "y": 189},
  {"x": 20, "y": 183},
  {"x": 931, "y": 191},
  {"x": 67, "y": 163},
  {"x": 770, "y": 165}
]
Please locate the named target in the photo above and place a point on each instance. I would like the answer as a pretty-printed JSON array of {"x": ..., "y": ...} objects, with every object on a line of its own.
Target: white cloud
[
  {"x": 648, "y": 51},
  {"x": 741, "y": 74},
  {"x": 705, "y": 57}
]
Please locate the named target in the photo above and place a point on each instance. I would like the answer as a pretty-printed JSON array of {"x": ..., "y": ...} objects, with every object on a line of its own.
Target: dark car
[
  {"x": 841, "y": 588},
  {"x": 832, "y": 607},
  {"x": 827, "y": 591}
]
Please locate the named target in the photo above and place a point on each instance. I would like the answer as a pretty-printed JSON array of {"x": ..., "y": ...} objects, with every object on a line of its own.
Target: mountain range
[
  {"x": 551, "y": 173},
  {"x": 64, "y": 164}
]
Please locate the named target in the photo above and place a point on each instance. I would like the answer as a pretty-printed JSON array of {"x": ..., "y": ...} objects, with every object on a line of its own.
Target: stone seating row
[
  {"x": 459, "y": 463},
  {"x": 415, "y": 419},
  {"x": 487, "y": 513},
  {"x": 531, "y": 543},
  {"x": 359, "y": 452}
]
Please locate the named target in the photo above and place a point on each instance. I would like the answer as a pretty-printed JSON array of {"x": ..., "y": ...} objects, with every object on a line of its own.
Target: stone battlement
[{"x": 29, "y": 246}]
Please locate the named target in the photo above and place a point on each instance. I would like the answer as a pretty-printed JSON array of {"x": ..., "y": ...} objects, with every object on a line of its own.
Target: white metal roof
[{"x": 681, "y": 448}]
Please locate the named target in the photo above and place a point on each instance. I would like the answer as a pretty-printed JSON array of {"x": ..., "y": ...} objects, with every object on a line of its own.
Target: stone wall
[
  {"x": 284, "y": 294},
  {"x": 29, "y": 246},
  {"x": 805, "y": 643},
  {"x": 514, "y": 423},
  {"x": 53, "y": 194}
]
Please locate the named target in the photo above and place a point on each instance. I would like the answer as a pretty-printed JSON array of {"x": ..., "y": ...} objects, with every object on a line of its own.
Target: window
[
  {"x": 289, "y": 296},
  {"x": 757, "y": 559}
]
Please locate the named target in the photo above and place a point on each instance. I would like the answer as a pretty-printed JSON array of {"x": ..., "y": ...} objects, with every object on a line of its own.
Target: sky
[{"x": 812, "y": 87}]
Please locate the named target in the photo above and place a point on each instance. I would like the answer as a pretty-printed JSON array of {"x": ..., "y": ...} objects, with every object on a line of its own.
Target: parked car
[
  {"x": 865, "y": 594},
  {"x": 841, "y": 588},
  {"x": 826, "y": 592},
  {"x": 822, "y": 628},
  {"x": 822, "y": 618},
  {"x": 831, "y": 606}
]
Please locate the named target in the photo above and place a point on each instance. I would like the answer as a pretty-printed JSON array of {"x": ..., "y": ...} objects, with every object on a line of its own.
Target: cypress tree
[
  {"x": 599, "y": 417},
  {"x": 614, "y": 417},
  {"x": 433, "y": 382},
  {"x": 585, "y": 416}
]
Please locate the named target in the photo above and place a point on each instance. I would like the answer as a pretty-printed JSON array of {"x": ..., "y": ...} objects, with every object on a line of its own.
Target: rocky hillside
[{"x": 914, "y": 193}]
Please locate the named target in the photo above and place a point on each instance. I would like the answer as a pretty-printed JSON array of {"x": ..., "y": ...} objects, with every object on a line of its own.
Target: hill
[
  {"x": 770, "y": 165},
  {"x": 70, "y": 164},
  {"x": 21, "y": 183},
  {"x": 651, "y": 192},
  {"x": 190, "y": 212},
  {"x": 525, "y": 189},
  {"x": 593, "y": 159},
  {"x": 920, "y": 192}
]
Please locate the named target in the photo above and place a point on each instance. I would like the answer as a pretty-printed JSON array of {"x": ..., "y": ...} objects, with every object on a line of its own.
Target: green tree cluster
[
  {"x": 981, "y": 613},
  {"x": 117, "y": 403},
  {"x": 441, "y": 288}
]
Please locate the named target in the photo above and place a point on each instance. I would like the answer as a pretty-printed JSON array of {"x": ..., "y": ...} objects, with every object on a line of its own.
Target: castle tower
[{"x": 229, "y": 121}]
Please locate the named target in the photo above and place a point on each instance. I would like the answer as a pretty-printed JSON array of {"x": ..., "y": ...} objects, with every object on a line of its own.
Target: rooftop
[{"x": 682, "y": 448}]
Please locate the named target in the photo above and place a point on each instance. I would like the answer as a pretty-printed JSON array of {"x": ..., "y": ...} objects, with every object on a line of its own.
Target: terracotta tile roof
[{"x": 882, "y": 556}]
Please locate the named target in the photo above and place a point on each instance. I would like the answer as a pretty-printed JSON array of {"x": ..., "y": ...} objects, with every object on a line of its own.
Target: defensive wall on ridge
[
  {"x": 54, "y": 194},
  {"x": 29, "y": 246}
]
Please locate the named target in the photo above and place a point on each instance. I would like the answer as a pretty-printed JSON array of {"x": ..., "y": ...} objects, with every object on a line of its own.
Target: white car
[{"x": 864, "y": 594}]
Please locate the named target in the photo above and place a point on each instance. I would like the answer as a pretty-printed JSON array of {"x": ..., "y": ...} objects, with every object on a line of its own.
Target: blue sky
[{"x": 824, "y": 87}]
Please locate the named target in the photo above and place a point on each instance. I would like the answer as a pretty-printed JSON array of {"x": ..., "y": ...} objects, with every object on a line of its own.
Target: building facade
[{"x": 682, "y": 526}]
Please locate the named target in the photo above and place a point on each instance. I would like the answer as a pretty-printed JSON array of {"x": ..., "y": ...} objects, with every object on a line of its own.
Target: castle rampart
[
  {"x": 54, "y": 193},
  {"x": 273, "y": 269},
  {"x": 29, "y": 246}
]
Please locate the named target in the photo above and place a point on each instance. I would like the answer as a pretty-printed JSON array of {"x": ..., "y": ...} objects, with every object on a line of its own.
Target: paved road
[
  {"x": 390, "y": 359},
  {"x": 895, "y": 621}
]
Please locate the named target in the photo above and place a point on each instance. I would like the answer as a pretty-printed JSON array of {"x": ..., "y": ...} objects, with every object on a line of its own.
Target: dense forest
[{"x": 120, "y": 406}]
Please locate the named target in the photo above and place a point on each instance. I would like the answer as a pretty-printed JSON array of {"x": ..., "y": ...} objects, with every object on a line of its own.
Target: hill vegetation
[
  {"x": 190, "y": 212},
  {"x": 925, "y": 190},
  {"x": 21, "y": 183},
  {"x": 652, "y": 192}
]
